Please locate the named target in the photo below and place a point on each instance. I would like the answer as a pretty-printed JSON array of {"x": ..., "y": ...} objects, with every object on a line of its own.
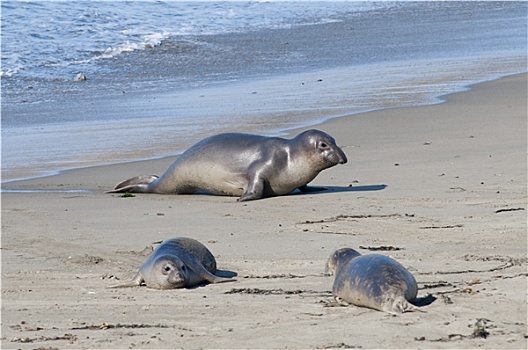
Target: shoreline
[
  {"x": 159, "y": 100},
  {"x": 442, "y": 188},
  {"x": 283, "y": 132}
]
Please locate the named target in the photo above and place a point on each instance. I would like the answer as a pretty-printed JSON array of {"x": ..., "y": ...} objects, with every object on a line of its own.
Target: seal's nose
[{"x": 342, "y": 157}]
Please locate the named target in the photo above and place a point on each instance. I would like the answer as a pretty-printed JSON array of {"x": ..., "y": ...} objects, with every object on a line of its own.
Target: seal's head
[
  {"x": 339, "y": 258},
  {"x": 167, "y": 272},
  {"x": 327, "y": 152}
]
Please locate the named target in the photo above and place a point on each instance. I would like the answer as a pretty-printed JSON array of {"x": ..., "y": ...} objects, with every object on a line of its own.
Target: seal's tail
[{"x": 138, "y": 184}]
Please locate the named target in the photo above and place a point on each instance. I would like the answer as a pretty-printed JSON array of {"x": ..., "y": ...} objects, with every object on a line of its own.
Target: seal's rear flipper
[
  {"x": 138, "y": 184},
  {"x": 134, "y": 282}
]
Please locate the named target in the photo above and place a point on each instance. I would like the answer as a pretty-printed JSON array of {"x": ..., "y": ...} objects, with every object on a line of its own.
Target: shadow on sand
[
  {"x": 330, "y": 189},
  {"x": 354, "y": 188}
]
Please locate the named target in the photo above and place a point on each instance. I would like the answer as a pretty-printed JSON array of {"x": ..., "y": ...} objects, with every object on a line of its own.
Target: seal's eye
[
  {"x": 183, "y": 268},
  {"x": 323, "y": 145},
  {"x": 167, "y": 268}
]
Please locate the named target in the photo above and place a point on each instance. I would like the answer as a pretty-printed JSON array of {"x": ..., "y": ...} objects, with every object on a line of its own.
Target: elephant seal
[
  {"x": 374, "y": 281},
  {"x": 243, "y": 165},
  {"x": 177, "y": 263}
]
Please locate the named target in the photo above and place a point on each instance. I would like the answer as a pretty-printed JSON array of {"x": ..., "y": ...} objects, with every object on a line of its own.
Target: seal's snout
[{"x": 342, "y": 157}]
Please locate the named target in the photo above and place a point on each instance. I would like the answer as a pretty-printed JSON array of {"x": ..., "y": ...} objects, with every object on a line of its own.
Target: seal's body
[
  {"x": 375, "y": 281},
  {"x": 243, "y": 165},
  {"x": 177, "y": 263}
]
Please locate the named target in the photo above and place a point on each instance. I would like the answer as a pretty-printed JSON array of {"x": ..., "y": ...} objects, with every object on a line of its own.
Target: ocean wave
[
  {"x": 64, "y": 34},
  {"x": 10, "y": 71},
  {"x": 149, "y": 41}
]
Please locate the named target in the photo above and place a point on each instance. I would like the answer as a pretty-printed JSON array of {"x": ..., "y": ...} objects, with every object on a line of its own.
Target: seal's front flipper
[
  {"x": 255, "y": 190},
  {"x": 341, "y": 302},
  {"x": 401, "y": 305},
  {"x": 198, "y": 274},
  {"x": 138, "y": 184},
  {"x": 218, "y": 279},
  {"x": 209, "y": 277},
  {"x": 249, "y": 197},
  {"x": 134, "y": 282}
]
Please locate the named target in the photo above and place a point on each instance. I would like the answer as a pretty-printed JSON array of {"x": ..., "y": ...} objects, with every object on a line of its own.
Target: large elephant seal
[
  {"x": 177, "y": 263},
  {"x": 374, "y": 281},
  {"x": 248, "y": 166}
]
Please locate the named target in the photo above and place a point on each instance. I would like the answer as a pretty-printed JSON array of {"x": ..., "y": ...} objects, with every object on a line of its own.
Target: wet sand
[{"x": 440, "y": 188}]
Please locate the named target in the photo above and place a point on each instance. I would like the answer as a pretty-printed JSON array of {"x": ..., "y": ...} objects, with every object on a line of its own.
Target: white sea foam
[
  {"x": 40, "y": 35},
  {"x": 149, "y": 41}
]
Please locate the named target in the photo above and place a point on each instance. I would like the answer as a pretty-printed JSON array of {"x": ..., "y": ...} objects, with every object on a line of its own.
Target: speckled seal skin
[
  {"x": 246, "y": 166},
  {"x": 375, "y": 281},
  {"x": 177, "y": 263}
]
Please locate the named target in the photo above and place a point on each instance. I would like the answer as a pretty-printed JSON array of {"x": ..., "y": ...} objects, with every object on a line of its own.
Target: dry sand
[{"x": 443, "y": 185}]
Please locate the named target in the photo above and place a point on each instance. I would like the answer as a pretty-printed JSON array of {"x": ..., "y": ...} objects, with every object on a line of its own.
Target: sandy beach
[{"x": 440, "y": 188}]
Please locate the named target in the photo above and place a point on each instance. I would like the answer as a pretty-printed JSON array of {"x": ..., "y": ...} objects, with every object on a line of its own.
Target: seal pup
[
  {"x": 243, "y": 165},
  {"x": 177, "y": 263},
  {"x": 374, "y": 281}
]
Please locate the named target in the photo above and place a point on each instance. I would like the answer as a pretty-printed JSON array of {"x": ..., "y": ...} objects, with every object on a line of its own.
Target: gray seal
[
  {"x": 177, "y": 263},
  {"x": 375, "y": 281},
  {"x": 243, "y": 165}
]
